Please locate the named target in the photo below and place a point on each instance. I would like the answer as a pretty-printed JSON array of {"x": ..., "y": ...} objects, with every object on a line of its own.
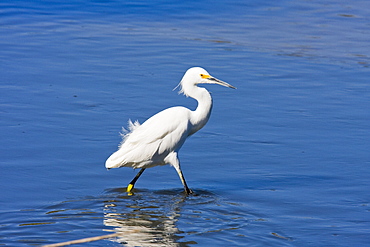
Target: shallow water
[{"x": 283, "y": 161}]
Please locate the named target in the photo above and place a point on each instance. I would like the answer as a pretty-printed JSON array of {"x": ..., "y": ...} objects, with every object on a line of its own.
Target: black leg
[
  {"x": 132, "y": 183},
  {"x": 174, "y": 161},
  {"x": 187, "y": 190}
]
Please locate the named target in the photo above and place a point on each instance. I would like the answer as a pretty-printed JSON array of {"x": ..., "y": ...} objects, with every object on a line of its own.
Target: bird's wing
[{"x": 152, "y": 141}]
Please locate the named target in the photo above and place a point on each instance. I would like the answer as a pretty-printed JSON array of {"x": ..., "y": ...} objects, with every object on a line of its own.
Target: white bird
[{"x": 157, "y": 141}]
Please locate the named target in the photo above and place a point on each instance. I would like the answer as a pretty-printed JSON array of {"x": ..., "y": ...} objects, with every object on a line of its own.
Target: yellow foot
[{"x": 129, "y": 189}]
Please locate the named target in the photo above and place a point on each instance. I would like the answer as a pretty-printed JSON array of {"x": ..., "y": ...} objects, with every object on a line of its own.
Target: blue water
[{"x": 283, "y": 161}]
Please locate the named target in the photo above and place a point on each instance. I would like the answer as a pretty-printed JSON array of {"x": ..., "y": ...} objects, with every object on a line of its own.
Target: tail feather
[
  {"x": 117, "y": 158},
  {"x": 126, "y": 133},
  {"x": 114, "y": 161}
]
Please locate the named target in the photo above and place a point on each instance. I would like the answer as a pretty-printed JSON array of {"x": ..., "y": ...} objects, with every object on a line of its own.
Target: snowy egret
[{"x": 157, "y": 141}]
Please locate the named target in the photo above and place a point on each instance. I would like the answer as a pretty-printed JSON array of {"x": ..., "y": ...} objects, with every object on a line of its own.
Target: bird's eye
[{"x": 201, "y": 75}]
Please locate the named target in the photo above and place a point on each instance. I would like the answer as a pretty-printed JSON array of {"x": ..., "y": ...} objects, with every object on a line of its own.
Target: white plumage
[{"x": 158, "y": 140}]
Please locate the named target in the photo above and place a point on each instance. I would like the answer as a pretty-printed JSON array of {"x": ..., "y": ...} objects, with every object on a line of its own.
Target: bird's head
[{"x": 198, "y": 75}]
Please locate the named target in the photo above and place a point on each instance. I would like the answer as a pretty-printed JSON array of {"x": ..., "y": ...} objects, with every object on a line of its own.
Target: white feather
[{"x": 158, "y": 139}]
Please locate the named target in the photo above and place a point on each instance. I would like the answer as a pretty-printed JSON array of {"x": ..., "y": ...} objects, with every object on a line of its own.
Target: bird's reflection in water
[{"x": 145, "y": 218}]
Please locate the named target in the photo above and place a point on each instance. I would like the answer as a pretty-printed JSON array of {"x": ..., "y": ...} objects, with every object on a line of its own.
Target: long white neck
[{"x": 200, "y": 116}]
